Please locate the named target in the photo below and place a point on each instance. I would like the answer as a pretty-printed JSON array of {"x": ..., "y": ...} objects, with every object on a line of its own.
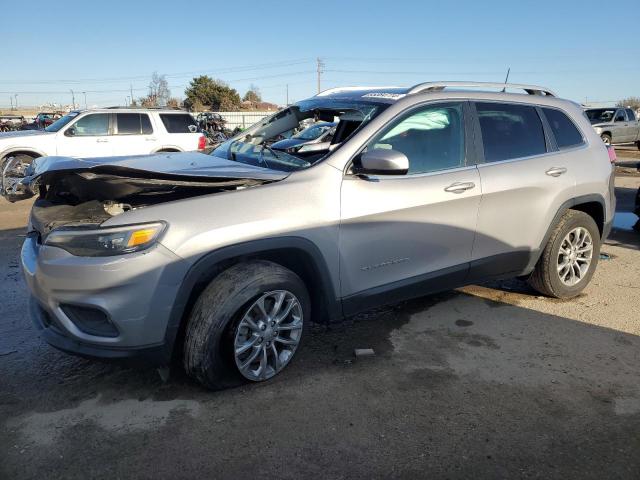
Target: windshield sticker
[{"x": 390, "y": 96}]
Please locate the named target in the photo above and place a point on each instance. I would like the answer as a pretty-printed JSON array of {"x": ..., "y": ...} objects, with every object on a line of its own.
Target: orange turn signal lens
[{"x": 142, "y": 236}]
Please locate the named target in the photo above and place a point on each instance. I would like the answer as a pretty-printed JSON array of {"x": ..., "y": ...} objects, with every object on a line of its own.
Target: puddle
[{"x": 624, "y": 220}]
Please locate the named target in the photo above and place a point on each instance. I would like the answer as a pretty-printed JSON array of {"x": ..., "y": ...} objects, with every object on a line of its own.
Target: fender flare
[
  {"x": 594, "y": 197},
  {"x": 201, "y": 270}
]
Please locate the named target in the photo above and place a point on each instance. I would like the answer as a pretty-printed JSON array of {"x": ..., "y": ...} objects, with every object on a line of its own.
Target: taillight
[
  {"x": 612, "y": 154},
  {"x": 202, "y": 142}
]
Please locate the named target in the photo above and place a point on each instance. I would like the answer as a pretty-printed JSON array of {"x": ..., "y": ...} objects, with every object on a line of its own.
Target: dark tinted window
[
  {"x": 510, "y": 131},
  {"x": 431, "y": 138},
  {"x": 620, "y": 116},
  {"x": 129, "y": 123},
  {"x": 177, "y": 122},
  {"x": 146, "y": 124},
  {"x": 566, "y": 133},
  {"x": 631, "y": 116}
]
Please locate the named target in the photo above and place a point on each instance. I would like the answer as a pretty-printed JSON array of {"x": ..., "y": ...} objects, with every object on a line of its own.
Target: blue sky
[{"x": 572, "y": 47}]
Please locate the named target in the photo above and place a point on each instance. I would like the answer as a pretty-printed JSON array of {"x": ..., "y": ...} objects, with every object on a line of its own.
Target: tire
[
  {"x": 23, "y": 157},
  {"x": 606, "y": 138},
  {"x": 638, "y": 145},
  {"x": 546, "y": 276},
  {"x": 217, "y": 322}
]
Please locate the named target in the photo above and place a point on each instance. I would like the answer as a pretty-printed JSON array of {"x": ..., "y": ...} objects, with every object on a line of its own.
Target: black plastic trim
[
  {"x": 428, "y": 283},
  {"x": 201, "y": 271}
]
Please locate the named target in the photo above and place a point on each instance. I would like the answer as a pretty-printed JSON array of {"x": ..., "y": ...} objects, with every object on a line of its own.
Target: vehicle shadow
[{"x": 516, "y": 389}]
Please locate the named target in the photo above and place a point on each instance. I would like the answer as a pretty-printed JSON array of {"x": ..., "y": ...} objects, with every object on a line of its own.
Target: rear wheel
[
  {"x": 246, "y": 325},
  {"x": 638, "y": 145},
  {"x": 606, "y": 138},
  {"x": 570, "y": 257}
]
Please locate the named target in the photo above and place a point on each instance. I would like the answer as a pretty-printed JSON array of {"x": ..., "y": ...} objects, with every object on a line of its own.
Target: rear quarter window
[
  {"x": 566, "y": 133},
  {"x": 177, "y": 122},
  {"x": 510, "y": 131}
]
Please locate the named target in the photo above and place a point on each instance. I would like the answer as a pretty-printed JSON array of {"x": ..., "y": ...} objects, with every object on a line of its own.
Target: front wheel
[
  {"x": 570, "y": 257},
  {"x": 606, "y": 138},
  {"x": 246, "y": 325}
]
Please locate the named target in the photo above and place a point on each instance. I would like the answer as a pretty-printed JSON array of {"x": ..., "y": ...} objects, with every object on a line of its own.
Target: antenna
[{"x": 506, "y": 79}]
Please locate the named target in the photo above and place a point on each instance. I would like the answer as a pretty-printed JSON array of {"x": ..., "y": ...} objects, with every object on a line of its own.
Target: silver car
[{"x": 225, "y": 260}]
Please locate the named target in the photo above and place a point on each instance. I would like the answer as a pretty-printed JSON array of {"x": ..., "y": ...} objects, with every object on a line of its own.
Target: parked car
[
  {"x": 105, "y": 132},
  {"x": 9, "y": 123},
  {"x": 226, "y": 259},
  {"x": 317, "y": 136},
  {"x": 615, "y": 125}
]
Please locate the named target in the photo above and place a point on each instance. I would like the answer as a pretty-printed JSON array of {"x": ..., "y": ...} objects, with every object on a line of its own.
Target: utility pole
[
  {"x": 85, "y": 100},
  {"x": 287, "y": 104},
  {"x": 16, "y": 95},
  {"x": 320, "y": 66},
  {"x": 11, "y": 100},
  {"x": 131, "y": 91},
  {"x": 73, "y": 100}
]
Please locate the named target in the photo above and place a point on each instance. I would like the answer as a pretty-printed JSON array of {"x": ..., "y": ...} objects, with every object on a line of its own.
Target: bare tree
[
  {"x": 631, "y": 102},
  {"x": 159, "y": 93}
]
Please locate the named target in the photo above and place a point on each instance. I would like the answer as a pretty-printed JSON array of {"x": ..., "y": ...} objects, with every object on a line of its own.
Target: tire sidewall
[
  {"x": 585, "y": 221},
  {"x": 219, "y": 365}
]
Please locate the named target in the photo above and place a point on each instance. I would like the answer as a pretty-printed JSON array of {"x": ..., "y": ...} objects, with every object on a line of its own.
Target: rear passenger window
[
  {"x": 133, "y": 124},
  {"x": 177, "y": 122},
  {"x": 566, "y": 133},
  {"x": 510, "y": 131},
  {"x": 631, "y": 116},
  {"x": 432, "y": 138}
]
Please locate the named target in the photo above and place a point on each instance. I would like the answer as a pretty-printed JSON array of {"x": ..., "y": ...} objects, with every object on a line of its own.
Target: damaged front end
[{"x": 80, "y": 193}]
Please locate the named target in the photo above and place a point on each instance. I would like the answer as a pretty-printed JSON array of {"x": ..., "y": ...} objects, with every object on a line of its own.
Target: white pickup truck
[
  {"x": 106, "y": 132},
  {"x": 615, "y": 125}
]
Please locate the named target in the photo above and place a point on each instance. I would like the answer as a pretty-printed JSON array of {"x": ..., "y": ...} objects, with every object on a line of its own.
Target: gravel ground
[{"x": 487, "y": 381}]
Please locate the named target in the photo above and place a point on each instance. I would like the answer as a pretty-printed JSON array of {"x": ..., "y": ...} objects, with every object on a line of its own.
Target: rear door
[
  {"x": 89, "y": 136},
  {"x": 133, "y": 134},
  {"x": 403, "y": 235},
  {"x": 525, "y": 179}
]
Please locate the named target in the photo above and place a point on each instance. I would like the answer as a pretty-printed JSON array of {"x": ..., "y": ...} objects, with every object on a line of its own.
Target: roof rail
[
  {"x": 438, "y": 86},
  {"x": 329, "y": 91}
]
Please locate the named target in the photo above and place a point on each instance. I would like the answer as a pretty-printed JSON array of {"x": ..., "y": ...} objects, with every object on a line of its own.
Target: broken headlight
[{"x": 101, "y": 242}]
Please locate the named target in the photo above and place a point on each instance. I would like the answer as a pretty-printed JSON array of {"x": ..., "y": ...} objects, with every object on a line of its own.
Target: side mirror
[
  {"x": 384, "y": 162},
  {"x": 70, "y": 132}
]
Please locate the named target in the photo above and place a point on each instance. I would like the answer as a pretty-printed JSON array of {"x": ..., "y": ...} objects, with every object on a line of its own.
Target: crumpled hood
[
  {"x": 121, "y": 176},
  {"x": 161, "y": 165},
  {"x": 24, "y": 133}
]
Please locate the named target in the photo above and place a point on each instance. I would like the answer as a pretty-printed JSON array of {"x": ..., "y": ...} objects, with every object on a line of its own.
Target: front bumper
[{"x": 135, "y": 292}]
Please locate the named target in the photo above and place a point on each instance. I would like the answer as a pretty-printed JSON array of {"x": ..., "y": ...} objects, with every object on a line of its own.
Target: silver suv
[{"x": 226, "y": 259}]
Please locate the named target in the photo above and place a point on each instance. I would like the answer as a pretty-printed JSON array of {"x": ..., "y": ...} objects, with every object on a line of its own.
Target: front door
[
  {"x": 87, "y": 137},
  {"x": 405, "y": 235}
]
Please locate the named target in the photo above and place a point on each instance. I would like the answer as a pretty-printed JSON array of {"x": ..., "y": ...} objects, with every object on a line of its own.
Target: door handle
[
  {"x": 150, "y": 139},
  {"x": 556, "y": 171},
  {"x": 102, "y": 140},
  {"x": 459, "y": 187}
]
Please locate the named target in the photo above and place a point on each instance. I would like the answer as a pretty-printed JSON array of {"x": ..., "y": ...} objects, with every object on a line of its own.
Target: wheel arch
[
  {"x": 298, "y": 254},
  {"x": 167, "y": 149},
  {"x": 33, "y": 152},
  {"x": 593, "y": 205}
]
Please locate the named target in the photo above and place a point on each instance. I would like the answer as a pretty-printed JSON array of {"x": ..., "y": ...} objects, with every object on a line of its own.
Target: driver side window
[
  {"x": 432, "y": 138},
  {"x": 96, "y": 124}
]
